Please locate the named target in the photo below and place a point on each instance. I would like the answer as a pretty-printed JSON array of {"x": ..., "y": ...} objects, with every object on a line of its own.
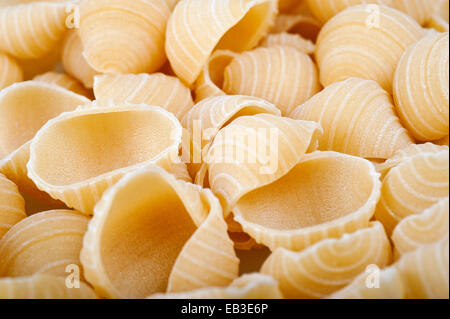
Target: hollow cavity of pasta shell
[
  {"x": 329, "y": 265},
  {"x": 92, "y": 148},
  {"x": 12, "y": 205},
  {"x": 194, "y": 31},
  {"x": 47, "y": 242},
  {"x": 175, "y": 238}
]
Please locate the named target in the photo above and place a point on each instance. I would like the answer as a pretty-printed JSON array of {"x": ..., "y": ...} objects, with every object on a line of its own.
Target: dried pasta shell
[
  {"x": 304, "y": 25},
  {"x": 124, "y": 36},
  {"x": 10, "y": 71},
  {"x": 74, "y": 62},
  {"x": 179, "y": 240},
  {"x": 290, "y": 40},
  {"x": 413, "y": 186},
  {"x": 439, "y": 19},
  {"x": 414, "y": 231},
  {"x": 43, "y": 287},
  {"x": 194, "y": 31},
  {"x": 249, "y": 286},
  {"x": 256, "y": 150},
  {"x": 421, "y": 88},
  {"x": 63, "y": 80},
  {"x": 358, "y": 119},
  {"x": 325, "y": 195},
  {"x": 329, "y": 265},
  {"x": 43, "y": 28},
  {"x": 125, "y": 137},
  {"x": 425, "y": 271},
  {"x": 155, "y": 89},
  {"x": 364, "y": 43},
  {"x": 281, "y": 75},
  {"x": 12, "y": 205},
  {"x": 46, "y": 242}
]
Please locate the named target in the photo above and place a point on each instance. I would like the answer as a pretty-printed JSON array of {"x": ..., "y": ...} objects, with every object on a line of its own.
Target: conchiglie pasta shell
[
  {"x": 364, "y": 43},
  {"x": 43, "y": 287},
  {"x": 284, "y": 76},
  {"x": 74, "y": 62},
  {"x": 249, "y": 286},
  {"x": 10, "y": 71},
  {"x": 421, "y": 88},
  {"x": 325, "y": 195},
  {"x": 256, "y": 150},
  {"x": 63, "y": 80},
  {"x": 179, "y": 238},
  {"x": 414, "y": 231},
  {"x": 46, "y": 242},
  {"x": 194, "y": 31},
  {"x": 156, "y": 89},
  {"x": 302, "y": 24},
  {"x": 412, "y": 187},
  {"x": 124, "y": 137},
  {"x": 439, "y": 19},
  {"x": 328, "y": 265},
  {"x": 43, "y": 25},
  {"x": 289, "y": 40},
  {"x": 358, "y": 119},
  {"x": 12, "y": 205},
  {"x": 425, "y": 271}
]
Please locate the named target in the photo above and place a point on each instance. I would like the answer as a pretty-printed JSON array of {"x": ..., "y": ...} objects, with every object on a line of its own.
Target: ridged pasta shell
[
  {"x": 74, "y": 62},
  {"x": 412, "y": 187},
  {"x": 313, "y": 201},
  {"x": 12, "y": 205},
  {"x": 358, "y": 119},
  {"x": 249, "y": 286},
  {"x": 283, "y": 76},
  {"x": 329, "y": 265},
  {"x": 42, "y": 28},
  {"x": 364, "y": 43},
  {"x": 124, "y": 36},
  {"x": 10, "y": 71},
  {"x": 425, "y": 271},
  {"x": 124, "y": 137},
  {"x": 63, "y": 80},
  {"x": 46, "y": 242},
  {"x": 179, "y": 240},
  {"x": 439, "y": 19},
  {"x": 289, "y": 40},
  {"x": 432, "y": 225},
  {"x": 42, "y": 287},
  {"x": 254, "y": 151},
  {"x": 421, "y": 88},
  {"x": 194, "y": 31},
  {"x": 155, "y": 89},
  {"x": 302, "y": 24}
]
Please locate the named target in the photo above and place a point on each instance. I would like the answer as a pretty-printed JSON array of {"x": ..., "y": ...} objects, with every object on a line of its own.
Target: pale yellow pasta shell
[
  {"x": 195, "y": 30},
  {"x": 290, "y": 40},
  {"x": 303, "y": 24},
  {"x": 63, "y": 80},
  {"x": 74, "y": 62},
  {"x": 439, "y": 19},
  {"x": 124, "y": 36},
  {"x": 413, "y": 186},
  {"x": 425, "y": 271},
  {"x": 46, "y": 242},
  {"x": 30, "y": 31},
  {"x": 249, "y": 286},
  {"x": 326, "y": 194},
  {"x": 43, "y": 287},
  {"x": 254, "y": 151},
  {"x": 10, "y": 71},
  {"x": 421, "y": 88},
  {"x": 364, "y": 43},
  {"x": 414, "y": 231},
  {"x": 124, "y": 137},
  {"x": 156, "y": 89},
  {"x": 12, "y": 205},
  {"x": 329, "y": 265},
  {"x": 283, "y": 76},
  {"x": 358, "y": 118},
  {"x": 179, "y": 240}
]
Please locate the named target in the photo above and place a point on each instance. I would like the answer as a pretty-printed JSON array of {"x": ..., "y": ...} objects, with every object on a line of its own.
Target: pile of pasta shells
[{"x": 114, "y": 115}]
